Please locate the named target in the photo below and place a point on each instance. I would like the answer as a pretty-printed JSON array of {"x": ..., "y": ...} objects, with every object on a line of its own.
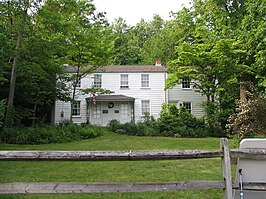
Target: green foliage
[
  {"x": 2, "y": 111},
  {"x": 180, "y": 123},
  {"x": 53, "y": 34},
  {"x": 250, "y": 118},
  {"x": 213, "y": 119},
  {"x": 146, "y": 128},
  {"x": 172, "y": 123},
  {"x": 49, "y": 134}
]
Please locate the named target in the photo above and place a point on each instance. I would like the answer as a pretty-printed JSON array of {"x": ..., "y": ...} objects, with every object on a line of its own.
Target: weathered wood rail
[
  {"x": 72, "y": 187},
  {"x": 106, "y": 155}
]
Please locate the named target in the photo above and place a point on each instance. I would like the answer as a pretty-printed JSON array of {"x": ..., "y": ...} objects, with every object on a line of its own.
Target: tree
[
  {"x": 20, "y": 8},
  {"x": 86, "y": 38},
  {"x": 250, "y": 115},
  {"x": 126, "y": 44},
  {"x": 52, "y": 33},
  {"x": 210, "y": 55},
  {"x": 252, "y": 34}
]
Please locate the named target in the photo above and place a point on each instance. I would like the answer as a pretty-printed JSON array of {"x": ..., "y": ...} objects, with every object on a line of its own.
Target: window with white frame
[
  {"x": 145, "y": 107},
  {"x": 145, "y": 81},
  {"x": 124, "y": 110},
  {"x": 188, "y": 106},
  {"x": 77, "y": 82},
  {"x": 186, "y": 83},
  {"x": 97, "y": 81},
  {"x": 97, "y": 111},
  {"x": 124, "y": 81},
  {"x": 76, "y": 108}
]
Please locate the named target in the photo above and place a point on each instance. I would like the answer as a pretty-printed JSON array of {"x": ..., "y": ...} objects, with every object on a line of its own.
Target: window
[
  {"x": 76, "y": 108},
  {"x": 77, "y": 82},
  {"x": 105, "y": 111},
  {"x": 186, "y": 83},
  {"x": 124, "y": 81},
  {"x": 97, "y": 111},
  {"x": 97, "y": 81},
  {"x": 145, "y": 81},
  {"x": 124, "y": 110},
  {"x": 145, "y": 107},
  {"x": 188, "y": 106}
]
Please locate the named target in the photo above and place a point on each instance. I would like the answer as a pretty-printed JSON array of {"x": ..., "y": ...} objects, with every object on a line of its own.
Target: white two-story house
[{"x": 138, "y": 90}]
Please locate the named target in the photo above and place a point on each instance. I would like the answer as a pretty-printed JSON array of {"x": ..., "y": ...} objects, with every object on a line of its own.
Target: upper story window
[
  {"x": 186, "y": 83},
  {"x": 77, "y": 82},
  {"x": 145, "y": 81},
  {"x": 97, "y": 81},
  {"x": 76, "y": 108},
  {"x": 124, "y": 81},
  {"x": 145, "y": 107}
]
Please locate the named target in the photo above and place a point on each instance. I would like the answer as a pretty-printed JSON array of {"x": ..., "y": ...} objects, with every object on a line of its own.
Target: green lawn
[{"x": 125, "y": 171}]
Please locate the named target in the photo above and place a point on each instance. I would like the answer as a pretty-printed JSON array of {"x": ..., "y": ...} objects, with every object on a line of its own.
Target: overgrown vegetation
[
  {"x": 173, "y": 122},
  {"x": 250, "y": 117},
  {"x": 220, "y": 45},
  {"x": 49, "y": 134}
]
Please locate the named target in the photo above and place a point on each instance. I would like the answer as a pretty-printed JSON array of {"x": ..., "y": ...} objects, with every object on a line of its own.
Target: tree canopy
[{"x": 218, "y": 44}]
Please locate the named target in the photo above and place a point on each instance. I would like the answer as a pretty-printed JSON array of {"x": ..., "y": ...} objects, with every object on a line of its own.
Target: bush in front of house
[
  {"x": 175, "y": 122},
  {"x": 129, "y": 128},
  {"x": 172, "y": 122},
  {"x": 49, "y": 134}
]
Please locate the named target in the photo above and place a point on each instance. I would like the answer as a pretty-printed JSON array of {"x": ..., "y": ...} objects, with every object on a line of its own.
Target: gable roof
[
  {"x": 122, "y": 69},
  {"x": 132, "y": 68}
]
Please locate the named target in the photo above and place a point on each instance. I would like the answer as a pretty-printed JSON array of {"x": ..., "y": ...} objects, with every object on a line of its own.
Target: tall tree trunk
[
  {"x": 34, "y": 113},
  {"x": 243, "y": 92},
  {"x": 12, "y": 85}
]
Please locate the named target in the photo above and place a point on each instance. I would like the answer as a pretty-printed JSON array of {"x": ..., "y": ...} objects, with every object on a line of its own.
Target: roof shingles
[{"x": 124, "y": 68}]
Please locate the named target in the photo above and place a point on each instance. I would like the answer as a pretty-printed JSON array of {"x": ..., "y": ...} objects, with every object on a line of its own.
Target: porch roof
[{"x": 107, "y": 98}]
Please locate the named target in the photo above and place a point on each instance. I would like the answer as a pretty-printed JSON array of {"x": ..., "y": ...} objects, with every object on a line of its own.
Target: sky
[{"x": 134, "y": 10}]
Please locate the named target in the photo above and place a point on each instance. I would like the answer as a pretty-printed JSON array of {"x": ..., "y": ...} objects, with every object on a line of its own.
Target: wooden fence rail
[
  {"x": 71, "y": 187},
  {"x": 106, "y": 155}
]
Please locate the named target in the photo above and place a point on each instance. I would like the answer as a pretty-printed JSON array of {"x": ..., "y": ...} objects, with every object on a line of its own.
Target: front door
[{"x": 110, "y": 111}]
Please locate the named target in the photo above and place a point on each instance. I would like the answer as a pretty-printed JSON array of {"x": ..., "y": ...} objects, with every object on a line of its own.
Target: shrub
[
  {"x": 173, "y": 122},
  {"x": 49, "y": 134},
  {"x": 129, "y": 128},
  {"x": 114, "y": 125}
]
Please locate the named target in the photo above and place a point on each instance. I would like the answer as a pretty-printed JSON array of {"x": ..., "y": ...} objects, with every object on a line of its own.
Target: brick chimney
[{"x": 158, "y": 62}]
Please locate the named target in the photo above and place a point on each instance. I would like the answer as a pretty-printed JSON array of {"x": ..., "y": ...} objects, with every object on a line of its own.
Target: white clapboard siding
[
  {"x": 178, "y": 95},
  {"x": 155, "y": 93},
  {"x": 111, "y": 81}
]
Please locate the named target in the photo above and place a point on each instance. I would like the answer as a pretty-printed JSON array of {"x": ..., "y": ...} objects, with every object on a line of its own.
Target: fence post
[{"x": 226, "y": 167}]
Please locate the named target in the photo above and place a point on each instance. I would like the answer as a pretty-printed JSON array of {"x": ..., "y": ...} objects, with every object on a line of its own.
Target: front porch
[{"x": 104, "y": 108}]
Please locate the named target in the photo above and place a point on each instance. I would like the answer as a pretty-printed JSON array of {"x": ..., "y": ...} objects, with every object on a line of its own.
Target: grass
[{"x": 124, "y": 171}]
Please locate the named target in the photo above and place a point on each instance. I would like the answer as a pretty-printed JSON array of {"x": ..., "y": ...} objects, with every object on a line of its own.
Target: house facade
[
  {"x": 184, "y": 94},
  {"x": 137, "y": 91}
]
